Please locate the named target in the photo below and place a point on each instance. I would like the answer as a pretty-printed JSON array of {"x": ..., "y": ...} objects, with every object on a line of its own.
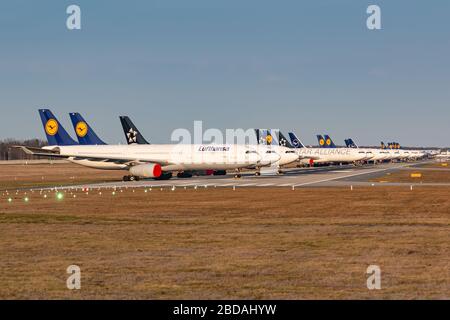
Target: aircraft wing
[
  {"x": 54, "y": 154},
  {"x": 40, "y": 152}
]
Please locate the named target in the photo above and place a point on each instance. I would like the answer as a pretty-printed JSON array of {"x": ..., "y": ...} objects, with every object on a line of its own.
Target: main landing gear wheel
[
  {"x": 130, "y": 178},
  {"x": 237, "y": 176},
  {"x": 257, "y": 173},
  {"x": 164, "y": 176}
]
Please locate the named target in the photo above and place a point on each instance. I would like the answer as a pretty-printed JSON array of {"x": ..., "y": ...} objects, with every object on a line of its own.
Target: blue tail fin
[
  {"x": 85, "y": 134},
  {"x": 295, "y": 141},
  {"x": 350, "y": 143},
  {"x": 328, "y": 142},
  {"x": 321, "y": 141},
  {"x": 55, "y": 132},
  {"x": 347, "y": 143}
]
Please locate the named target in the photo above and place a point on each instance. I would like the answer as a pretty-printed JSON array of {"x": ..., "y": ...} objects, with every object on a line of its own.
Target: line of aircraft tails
[{"x": 272, "y": 151}]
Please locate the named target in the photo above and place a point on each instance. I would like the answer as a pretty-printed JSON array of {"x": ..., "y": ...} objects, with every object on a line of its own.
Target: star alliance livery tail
[
  {"x": 85, "y": 134},
  {"x": 283, "y": 141},
  {"x": 55, "y": 132},
  {"x": 296, "y": 143},
  {"x": 132, "y": 133}
]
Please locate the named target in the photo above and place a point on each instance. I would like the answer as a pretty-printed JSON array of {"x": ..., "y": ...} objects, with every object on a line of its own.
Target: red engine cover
[{"x": 157, "y": 171}]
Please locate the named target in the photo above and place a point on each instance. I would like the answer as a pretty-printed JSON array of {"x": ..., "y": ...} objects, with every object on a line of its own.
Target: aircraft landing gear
[
  {"x": 184, "y": 175},
  {"x": 164, "y": 176},
  {"x": 238, "y": 174},
  {"x": 131, "y": 178},
  {"x": 257, "y": 173}
]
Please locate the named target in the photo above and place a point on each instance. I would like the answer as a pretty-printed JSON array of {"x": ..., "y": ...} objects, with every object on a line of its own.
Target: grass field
[
  {"x": 429, "y": 173},
  {"x": 214, "y": 243},
  {"x": 438, "y": 164},
  {"x": 27, "y": 176}
]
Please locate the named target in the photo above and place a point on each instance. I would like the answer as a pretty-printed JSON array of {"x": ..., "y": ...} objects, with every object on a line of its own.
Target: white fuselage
[
  {"x": 175, "y": 157},
  {"x": 443, "y": 155},
  {"x": 380, "y": 155},
  {"x": 322, "y": 155}
]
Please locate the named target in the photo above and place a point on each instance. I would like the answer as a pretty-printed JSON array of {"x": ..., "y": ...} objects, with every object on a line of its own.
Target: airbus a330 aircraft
[
  {"x": 326, "y": 155},
  {"x": 147, "y": 161},
  {"x": 279, "y": 144},
  {"x": 379, "y": 155},
  {"x": 327, "y": 142}
]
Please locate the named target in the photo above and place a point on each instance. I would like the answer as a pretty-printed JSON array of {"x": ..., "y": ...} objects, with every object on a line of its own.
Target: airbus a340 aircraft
[
  {"x": 378, "y": 154},
  {"x": 147, "y": 161},
  {"x": 326, "y": 155}
]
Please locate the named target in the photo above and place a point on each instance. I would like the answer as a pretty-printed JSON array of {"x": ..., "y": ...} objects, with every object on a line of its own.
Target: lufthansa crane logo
[
  {"x": 81, "y": 129},
  {"x": 269, "y": 139},
  {"x": 51, "y": 127},
  {"x": 321, "y": 142},
  {"x": 328, "y": 142}
]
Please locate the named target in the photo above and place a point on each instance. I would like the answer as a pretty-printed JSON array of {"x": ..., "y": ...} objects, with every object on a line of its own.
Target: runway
[{"x": 345, "y": 175}]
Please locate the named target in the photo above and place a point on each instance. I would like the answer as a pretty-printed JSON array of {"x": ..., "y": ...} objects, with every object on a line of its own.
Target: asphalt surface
[{"x": 346, "y": 175}]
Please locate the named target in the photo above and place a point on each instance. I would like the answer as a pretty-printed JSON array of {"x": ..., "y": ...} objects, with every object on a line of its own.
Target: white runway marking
[
  {"x": 346, "y": 176},
  {"x": 301, "y": 178}
]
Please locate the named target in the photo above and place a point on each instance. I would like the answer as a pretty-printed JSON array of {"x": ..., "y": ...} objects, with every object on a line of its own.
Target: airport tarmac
[{"x": 344, "y": 175}]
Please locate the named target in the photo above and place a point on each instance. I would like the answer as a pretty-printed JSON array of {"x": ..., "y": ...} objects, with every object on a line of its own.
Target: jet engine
[{"x": 150, "y": 170}]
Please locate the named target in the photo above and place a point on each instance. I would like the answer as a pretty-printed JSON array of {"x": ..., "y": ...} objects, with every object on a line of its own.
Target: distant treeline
[{"x": 8, "y": 153}]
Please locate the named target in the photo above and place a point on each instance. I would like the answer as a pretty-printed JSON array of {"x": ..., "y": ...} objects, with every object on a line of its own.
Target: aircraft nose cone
[
  {"x": 269, "y": 158},
  {"x": 294, "y": 157},
  {"x": 289, "y": 158}
]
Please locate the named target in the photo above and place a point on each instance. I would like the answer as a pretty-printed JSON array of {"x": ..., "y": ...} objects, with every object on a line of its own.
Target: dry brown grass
[
  {"x": 22, "y": 176},
  {"x": 264, "y": 243},
  {"x": 444, "y": 165},
  {"x": 430, "y": 174}
]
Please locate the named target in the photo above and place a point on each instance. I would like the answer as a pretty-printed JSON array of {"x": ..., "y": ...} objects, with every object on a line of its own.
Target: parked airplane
[
  {"x": 277, "y": 142},
  {"x": 369, "y": 154},
  {"x": 147, "y": 161},
  {"x": 134, "y": 136},
  {"x": 442, "y": 155},
  {"x": 406, "y": 154},
  {"x": 377, "y": 154},
  {"x": 325, "y": 155}
]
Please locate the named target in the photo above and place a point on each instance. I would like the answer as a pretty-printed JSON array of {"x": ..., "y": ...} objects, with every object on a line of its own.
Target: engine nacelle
[{"x": 151, "y": 170}]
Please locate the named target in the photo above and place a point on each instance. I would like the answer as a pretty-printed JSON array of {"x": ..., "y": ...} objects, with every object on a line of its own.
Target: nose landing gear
[{"x": 131, "y": 178}]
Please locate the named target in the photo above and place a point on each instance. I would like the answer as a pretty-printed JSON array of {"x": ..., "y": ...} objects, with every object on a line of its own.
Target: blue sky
[{"x": 308, "y": 66}]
